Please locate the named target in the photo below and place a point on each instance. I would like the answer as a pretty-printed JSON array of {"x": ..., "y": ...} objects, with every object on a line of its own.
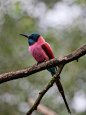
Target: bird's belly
[{"x": 38, "y": 53}]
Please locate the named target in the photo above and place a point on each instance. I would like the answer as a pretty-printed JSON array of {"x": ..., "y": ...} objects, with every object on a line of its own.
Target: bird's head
[{"x": 32, "y": 38}]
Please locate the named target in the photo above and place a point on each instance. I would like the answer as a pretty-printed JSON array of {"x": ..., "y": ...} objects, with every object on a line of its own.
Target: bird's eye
[{"x": 32, "y": 38}]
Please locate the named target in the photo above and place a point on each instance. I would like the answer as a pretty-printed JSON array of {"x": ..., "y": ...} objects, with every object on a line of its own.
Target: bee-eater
[{"x": 41, "y": 51}]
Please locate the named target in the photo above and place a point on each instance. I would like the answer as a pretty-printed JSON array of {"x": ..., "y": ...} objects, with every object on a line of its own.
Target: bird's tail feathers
[
  {"x": 60, "y": 88},
  {"x": 59, "y": 85},
  {"x": 52, "y": 70}
]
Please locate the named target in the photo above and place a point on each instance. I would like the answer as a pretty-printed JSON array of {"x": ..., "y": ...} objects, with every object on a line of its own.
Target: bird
[{"x": 41, "y": 51}]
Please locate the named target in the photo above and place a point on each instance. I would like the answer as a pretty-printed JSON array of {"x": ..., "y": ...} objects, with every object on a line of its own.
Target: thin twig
[
  {"x": 42, "y": 109},
  {"x": 41, "y": 94}
]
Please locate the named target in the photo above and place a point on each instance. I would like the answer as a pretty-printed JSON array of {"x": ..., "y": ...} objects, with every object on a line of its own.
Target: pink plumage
[{"x": 41, "y": 50}]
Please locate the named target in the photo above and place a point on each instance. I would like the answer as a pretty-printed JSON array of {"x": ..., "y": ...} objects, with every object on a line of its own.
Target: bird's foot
[
  {"x": 37, "y": 63},
  {"x": 45, "y": 60},
  {"x": 40, "y": 62}
]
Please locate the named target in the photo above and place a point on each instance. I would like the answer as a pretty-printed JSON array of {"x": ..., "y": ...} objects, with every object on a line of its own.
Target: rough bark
[{"x": 44, "y": 65}]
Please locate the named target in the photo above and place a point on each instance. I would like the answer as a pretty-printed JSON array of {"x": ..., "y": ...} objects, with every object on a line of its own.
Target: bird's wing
[{"x": 48, "y": 51}]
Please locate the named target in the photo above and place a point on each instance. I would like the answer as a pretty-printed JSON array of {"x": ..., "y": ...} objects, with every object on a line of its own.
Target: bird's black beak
[{"x": 25, "y": 35}]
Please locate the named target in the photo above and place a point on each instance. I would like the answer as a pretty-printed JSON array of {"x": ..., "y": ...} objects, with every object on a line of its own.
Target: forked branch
[
  {"x": 44, "y": 65},
  {"x": 41, "y": 94},
  {"x": 42, "y": 108},
  {"x": 60, "y": 62}
]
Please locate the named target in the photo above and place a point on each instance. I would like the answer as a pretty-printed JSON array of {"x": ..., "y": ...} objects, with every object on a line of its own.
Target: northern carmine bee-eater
[{"x": 41, "y": 51}]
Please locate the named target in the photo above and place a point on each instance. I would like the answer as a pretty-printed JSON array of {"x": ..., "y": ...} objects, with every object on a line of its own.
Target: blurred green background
[{"x": 62, "y": 23}]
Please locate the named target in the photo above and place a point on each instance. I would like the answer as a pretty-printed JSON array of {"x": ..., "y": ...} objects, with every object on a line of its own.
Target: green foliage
[{"x": 17, "y": 19}]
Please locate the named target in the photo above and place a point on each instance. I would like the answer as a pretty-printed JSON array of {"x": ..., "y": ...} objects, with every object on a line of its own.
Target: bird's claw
[
  {"x": 45, "y": 60},
  {"x": 40, "y": 62},
  {"x": 37, "y": 63}
]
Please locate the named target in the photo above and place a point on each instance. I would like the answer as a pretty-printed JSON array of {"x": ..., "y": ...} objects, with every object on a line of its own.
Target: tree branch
[
  {"x": 44, "y": 65},
  {"x": 60, "y": 62},
  {"x": 42, "y": 109},
  {"x": 41, "y": 94}
]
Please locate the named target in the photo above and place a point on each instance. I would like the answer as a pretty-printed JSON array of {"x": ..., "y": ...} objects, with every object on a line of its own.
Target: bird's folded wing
[
  {"x": 46, "y": 47},
  {"x": 48, "y": 50}
]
